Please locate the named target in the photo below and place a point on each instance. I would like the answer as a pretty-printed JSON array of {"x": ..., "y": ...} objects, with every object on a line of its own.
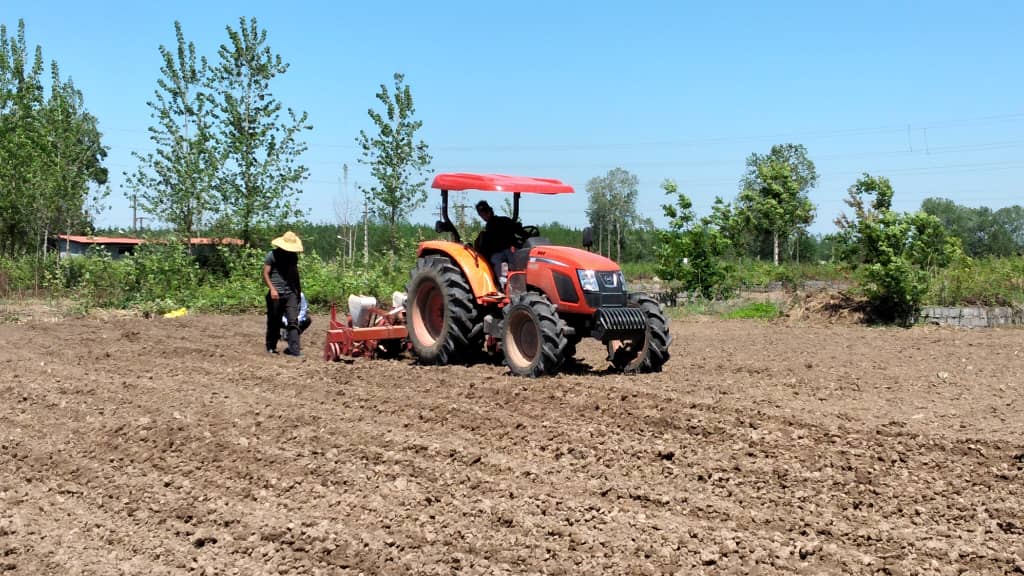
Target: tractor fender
[{"x": 473, "y": 264}]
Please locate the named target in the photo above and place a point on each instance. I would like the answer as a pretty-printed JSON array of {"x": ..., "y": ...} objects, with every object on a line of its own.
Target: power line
[{"x": 834, "y": 132}]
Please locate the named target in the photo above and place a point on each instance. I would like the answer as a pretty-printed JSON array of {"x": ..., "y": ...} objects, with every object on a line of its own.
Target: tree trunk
[
  {"x": 366, "y": 233},
  {"x": 618, "y": 242},
  {"x": 775, "y": 247}
]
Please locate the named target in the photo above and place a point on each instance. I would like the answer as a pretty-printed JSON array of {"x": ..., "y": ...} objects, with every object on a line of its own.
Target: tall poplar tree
[
  {"x": 260, "y": 179},
  {"x": 396, "y": 159},
  {"x": 51, "y": 154},
  {"x": 177, "y": 182},
  {"x": 611, "y": 208}
]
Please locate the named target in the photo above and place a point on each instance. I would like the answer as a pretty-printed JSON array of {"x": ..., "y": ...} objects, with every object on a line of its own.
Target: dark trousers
[
  {"x": 288, "y": 306},
  {"x": 499, "y": 257}
]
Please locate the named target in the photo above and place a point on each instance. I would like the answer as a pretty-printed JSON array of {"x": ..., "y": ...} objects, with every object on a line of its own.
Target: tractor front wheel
[
  {"x": 442, "y": 314},
  {"x": 649, "y": 352},
  {"x": 533, "y": 336}
]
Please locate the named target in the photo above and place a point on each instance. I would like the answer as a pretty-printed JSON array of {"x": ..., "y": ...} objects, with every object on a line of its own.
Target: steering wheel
[{"x": 530, "y": 232}]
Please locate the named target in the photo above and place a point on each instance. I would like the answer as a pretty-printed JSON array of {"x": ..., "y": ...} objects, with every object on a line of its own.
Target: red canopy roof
[{"x": 500, "y": 183}]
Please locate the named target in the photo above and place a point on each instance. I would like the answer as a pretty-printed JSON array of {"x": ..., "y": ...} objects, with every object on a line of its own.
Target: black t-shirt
[
  {"x": 499, "y": 234},
  {"x": 284, "y": 271}
]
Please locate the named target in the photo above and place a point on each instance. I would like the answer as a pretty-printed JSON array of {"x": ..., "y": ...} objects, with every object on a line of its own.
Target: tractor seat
[{"x": 520, "y": 258}]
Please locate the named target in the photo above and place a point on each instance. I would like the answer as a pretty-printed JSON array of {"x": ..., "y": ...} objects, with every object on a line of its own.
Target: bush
[
  {"x": 895, "y": 290},
  {"x": 986, "y": 282},
  {"x": 162, "y": 271},
  {"x": 101, "y": 281},
  {"x": 23, "y": 275}
]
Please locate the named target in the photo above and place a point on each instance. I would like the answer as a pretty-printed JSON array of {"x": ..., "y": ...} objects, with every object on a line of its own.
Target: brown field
[{"x": 132, "y": 446}]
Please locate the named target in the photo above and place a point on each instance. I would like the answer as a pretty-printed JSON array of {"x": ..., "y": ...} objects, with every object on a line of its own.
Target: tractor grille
[
  {"x": 604, "y": 299},
  {"x": 619, "y": 322}
]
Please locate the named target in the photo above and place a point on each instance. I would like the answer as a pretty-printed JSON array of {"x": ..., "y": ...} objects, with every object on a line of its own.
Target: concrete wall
[{"x": 972, "y": 316}]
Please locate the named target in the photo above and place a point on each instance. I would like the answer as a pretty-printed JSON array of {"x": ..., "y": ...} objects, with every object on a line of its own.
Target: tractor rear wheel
[
  {"x": 533, "y": 336},
  {"x": 442, "y": 313},
  {"x": 569, "y": 352},
  {"x": 649, "y": 352}
]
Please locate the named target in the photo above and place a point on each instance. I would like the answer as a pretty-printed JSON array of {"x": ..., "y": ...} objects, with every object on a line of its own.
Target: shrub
[{"x": 692, "y": 254}]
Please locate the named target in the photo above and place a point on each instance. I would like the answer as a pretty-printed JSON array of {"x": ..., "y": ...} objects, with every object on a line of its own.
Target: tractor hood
[{"x": 572, "y": 258}]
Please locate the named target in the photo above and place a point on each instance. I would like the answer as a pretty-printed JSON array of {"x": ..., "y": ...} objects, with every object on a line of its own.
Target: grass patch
[{"x": 755, "y": 311}]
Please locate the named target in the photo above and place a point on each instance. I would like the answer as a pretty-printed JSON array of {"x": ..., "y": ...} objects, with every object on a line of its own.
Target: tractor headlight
[{"x": 588, "y": 280}]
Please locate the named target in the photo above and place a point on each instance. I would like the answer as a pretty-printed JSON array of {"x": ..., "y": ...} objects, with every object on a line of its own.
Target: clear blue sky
[{"x": 928, "y": 93}]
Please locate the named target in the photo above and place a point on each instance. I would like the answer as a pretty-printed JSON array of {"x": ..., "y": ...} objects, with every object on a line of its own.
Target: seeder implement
[{"x": 373, "y": 332}]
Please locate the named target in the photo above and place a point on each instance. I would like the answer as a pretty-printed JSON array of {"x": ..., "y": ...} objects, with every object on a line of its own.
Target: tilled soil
[{"x": 131, "y": 446}]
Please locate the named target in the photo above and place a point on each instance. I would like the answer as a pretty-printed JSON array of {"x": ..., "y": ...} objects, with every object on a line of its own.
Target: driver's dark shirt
[{"x": 499, "y": 234}]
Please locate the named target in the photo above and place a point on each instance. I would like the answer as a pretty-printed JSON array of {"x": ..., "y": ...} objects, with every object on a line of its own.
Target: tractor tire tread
[
  {"x": 462, "y": 334},
  {"x": 552, "y": 335}
]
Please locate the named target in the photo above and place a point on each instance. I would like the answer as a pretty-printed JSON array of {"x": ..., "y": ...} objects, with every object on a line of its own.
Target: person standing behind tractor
[
  {"x": 497, "y": 238},
  {"x": 281, "y": 275}
]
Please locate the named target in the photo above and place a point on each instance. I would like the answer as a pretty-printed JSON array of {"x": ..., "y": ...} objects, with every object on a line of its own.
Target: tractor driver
[{"x": 497, "y": 239}]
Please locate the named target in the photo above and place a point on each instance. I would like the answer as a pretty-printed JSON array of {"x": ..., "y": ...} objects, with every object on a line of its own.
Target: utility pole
[
  {"x": 351, "y": 232},
  {"x": 460, "y": 214},
  {"x": 136, "y": 219},
  {"x": 366, "y": 232}
]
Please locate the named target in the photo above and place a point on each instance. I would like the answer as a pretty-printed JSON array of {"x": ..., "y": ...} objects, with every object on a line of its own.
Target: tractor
[{"x": 552, "y": 298}]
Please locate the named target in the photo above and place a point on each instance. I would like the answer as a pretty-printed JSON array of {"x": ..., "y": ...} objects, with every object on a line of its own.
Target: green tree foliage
[
  {"x": 72, "y": 158},
  {"x": 894, "y": 251},
  {"x": 773, "y": 198},
  {"x": 985, "y": 232},
  {"x": 690, "y": 251},
  {"x": 870, "y": 198},
  {"x": 397, "y": 161},
  {"x": 51, "y": 155},
  {"x": 611, "y": 209},
  {"x": 177, "y": 182},
  {"x": 259, "y": 180}
]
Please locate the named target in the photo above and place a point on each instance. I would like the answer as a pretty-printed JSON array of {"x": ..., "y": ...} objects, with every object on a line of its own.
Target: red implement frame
[{"x": 385, "y": 337}]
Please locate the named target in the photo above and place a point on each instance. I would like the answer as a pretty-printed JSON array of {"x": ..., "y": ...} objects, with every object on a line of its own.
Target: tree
[
  {"x": 870, "y": 198},
  {"x": 985, "y": 232},
  {"x": 177, "y": 182},
  {"x": 692, "y": 252},
  {"x": 892, "y": 250},
  {"x": 73, "y": 158},
  {"x": 396, "y": 159},
  {"x": 1010, "y": 220},
  {"x": 611, "y": 208},
  {"x": 773, "y": 194},
  {"x": 51, "y": 152},
  {"x": 21, "y": 97},
  {"x": 260, "y": 178}
]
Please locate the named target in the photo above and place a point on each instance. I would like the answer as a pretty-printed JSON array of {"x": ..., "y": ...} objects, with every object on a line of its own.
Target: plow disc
[{"x": 384, "y": 336}]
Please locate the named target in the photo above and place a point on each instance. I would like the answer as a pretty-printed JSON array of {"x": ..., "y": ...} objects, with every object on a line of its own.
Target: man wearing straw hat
[{"x": 281, "y": 274}]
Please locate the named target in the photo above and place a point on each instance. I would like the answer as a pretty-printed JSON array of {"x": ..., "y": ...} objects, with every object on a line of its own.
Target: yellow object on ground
[{"x": 176, "y": 313}]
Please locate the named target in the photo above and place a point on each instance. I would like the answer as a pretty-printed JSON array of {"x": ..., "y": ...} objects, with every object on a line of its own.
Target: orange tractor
[{"x": 554, "y": 296}]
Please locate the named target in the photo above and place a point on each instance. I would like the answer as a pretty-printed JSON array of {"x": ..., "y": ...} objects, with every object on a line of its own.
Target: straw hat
[{"x": 288, "y": 241}]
